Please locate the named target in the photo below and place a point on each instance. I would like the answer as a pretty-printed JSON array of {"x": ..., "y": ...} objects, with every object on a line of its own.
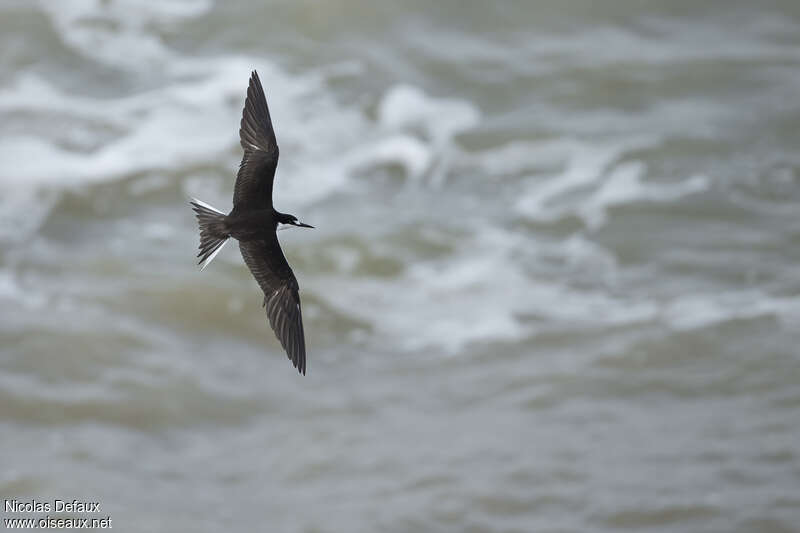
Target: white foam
[
  {"x": 160, "y": 129},
  {"x": 591, "y": 182},
  {"x": 34, "y": 203},
  {"x": 624, "y": 185},
  {"x": 491, "y": 287},
  {"x": 15, "y": 295},
  {"x": 584, "y": 166},
  {"x": 701, "y": 310},
  {"x": 405, "y": 106},
  {"x": 334, "y": 144},
  {"x": 404, "y": 150},
  {"x": 189, "y": 111},
  {"x": 164, "y": 129},
  {"x": 517, "y": 157},
  {"x": 127, "y": 39},
  {"x": 480, "y": 293}
]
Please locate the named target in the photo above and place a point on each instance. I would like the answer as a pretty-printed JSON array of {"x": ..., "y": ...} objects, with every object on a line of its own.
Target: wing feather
[
  {"x": 253, "y": 189},
  {"x": 281, "y": 296}
]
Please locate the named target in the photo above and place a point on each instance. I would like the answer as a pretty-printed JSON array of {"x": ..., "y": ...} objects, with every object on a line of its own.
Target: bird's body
[
  {"x": 251, "y": 225},
  {"x": 254, "y": 222}
]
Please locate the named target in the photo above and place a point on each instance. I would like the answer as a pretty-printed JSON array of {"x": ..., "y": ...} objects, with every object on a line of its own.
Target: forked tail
[{"x": 213, "y": 232}]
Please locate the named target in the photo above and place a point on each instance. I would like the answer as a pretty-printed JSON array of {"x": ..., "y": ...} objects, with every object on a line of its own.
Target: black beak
[{"x": 302, "y": 225}]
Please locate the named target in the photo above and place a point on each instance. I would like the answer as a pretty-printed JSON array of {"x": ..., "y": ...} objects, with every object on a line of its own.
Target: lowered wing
[{"x": 281, "y": 297}]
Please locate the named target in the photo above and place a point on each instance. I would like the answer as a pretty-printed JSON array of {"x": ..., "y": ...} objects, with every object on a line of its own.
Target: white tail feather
[
  {"x": 213, "y": 232},
  {"x": 201, "y": 202},
  {"x": 211, "y": 257}
]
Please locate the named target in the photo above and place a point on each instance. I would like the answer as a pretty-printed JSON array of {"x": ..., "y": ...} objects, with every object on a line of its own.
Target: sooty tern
[{"x": 254, "y": 221}]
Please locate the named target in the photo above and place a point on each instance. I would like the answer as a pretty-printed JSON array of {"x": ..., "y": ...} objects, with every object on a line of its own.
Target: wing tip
[
  {"x": 255, "y": 83},
  {"x": 255, "y": 127}
]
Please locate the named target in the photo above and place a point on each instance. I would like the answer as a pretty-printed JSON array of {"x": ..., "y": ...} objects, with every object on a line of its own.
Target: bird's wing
[
  {"x": 253, "y": 188},
  {"x": 281, "y": 297}
]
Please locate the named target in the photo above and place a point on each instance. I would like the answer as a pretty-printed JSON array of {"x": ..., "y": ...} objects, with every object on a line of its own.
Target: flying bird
[{"x": 253, "y": 221}]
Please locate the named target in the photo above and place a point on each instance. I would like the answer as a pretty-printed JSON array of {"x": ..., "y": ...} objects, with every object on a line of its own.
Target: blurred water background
[{"x": 554, "y": 283}]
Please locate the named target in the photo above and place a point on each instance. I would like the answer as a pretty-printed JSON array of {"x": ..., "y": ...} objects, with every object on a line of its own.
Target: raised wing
[
  {"x": 253, "y": 188},
  {"x": 281, "y": 297}
]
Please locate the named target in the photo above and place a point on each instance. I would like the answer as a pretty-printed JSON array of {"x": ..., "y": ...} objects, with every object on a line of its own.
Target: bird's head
[{"x": 291, "y": 220}]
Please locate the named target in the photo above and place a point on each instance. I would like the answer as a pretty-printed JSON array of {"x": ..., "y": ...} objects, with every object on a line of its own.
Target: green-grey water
[{"x": 554, "y": 283}]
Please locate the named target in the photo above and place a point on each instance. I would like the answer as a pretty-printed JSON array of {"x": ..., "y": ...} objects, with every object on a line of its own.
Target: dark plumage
[{"x": 254, "y": 222}]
